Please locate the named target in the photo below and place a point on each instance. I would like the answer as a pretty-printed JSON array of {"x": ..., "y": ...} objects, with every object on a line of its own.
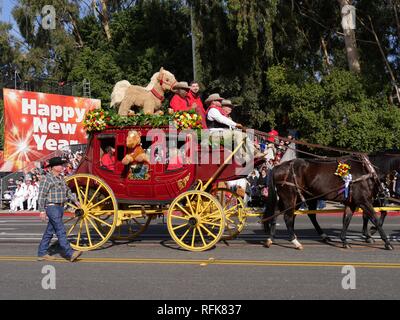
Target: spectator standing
[
  {"x": 263, "y": 182},
  {"x": 272, "y": 135},
  {"x": 19, "y": 198},
  {"x": 33, "y": 193}
]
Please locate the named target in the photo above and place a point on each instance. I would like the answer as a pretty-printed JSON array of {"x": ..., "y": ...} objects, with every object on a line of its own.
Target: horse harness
[{"x": 364, "y": 160}]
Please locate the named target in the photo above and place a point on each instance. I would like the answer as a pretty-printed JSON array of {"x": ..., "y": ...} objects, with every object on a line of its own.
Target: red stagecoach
[{"x": 120, "y": 203}]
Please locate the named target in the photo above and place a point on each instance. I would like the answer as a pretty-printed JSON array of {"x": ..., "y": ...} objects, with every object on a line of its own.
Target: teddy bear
[
  {"x": 137, "y": 154},
  {"x": 137, "y": 158}
]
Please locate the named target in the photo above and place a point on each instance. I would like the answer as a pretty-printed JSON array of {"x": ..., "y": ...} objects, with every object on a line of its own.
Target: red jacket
[
  {"x": 195, "y": 99},
  {"x": 199, "y": 107},
  {"x": 178, "y": 103},
  {"x": 272, "y": 134}
]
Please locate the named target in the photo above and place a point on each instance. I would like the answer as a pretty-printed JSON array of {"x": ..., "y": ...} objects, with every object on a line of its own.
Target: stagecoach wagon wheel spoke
[
  {"x": 234, "y": 211},
  {"x": 88, "y": 233},
  {"x": 187, "y": 226},
  {"x": 97, "y": 214},
  {"x": 72, "y": 205},
  {"x": 73, "y": 226},
  {"x": 79, "y": 233}
]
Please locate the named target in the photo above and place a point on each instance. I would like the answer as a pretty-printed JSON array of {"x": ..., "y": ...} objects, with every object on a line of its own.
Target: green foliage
[
  {"x": 1, "y": 124},
  {"x": 283, "y": 62},
  {"x": 335, "y": 111}
]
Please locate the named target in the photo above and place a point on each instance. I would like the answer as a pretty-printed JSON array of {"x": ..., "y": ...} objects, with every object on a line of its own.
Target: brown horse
[
  {"x": 386, "y": 164},
  {"x": 299, "y": 180}
]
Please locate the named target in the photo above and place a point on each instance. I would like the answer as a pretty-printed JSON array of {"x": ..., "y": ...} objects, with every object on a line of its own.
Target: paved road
[{"x": 155, "y": 268}]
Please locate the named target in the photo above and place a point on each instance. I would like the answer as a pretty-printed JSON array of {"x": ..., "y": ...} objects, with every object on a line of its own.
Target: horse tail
[
  {"x": 118, "y": 92},
  {"x": 271, "y": 201}
]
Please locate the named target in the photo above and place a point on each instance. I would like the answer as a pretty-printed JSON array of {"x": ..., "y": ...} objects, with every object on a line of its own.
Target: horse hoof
[
  {"x": 297, "y": 244},
  {"x": 346, "y": 246},
  {"x": 370, "y": 240},
  {"x": 326, "y": 239},
  {"x": 388, "y": 247},
  {"x": 268, "y": 243}
]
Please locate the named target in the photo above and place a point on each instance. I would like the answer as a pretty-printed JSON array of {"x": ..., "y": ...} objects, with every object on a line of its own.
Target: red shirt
[
  {"x": 199, "y": 107},
  {"x": 108, "y": 161},
  {"x": 272, "y": 134},
  {"x": 178, "y": 103},
  {"x": 192, "y": 98}
]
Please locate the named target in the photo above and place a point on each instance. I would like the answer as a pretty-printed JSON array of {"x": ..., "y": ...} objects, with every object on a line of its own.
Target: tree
[
  {"x": 348, "y": 13},
  {"x": 336, "y": 111}
]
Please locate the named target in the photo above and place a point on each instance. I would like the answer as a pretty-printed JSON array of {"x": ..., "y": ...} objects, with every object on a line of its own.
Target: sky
[{"x": 6, "y": 7}]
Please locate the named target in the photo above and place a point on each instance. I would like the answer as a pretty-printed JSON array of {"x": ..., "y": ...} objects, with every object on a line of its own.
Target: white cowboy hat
[
  {"x": 182, "y": 85},
  {"x": 214, "y": 97}
]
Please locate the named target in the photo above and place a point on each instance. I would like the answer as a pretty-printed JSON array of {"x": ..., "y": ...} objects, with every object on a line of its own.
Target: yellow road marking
[{"x": 377, "y": 265}]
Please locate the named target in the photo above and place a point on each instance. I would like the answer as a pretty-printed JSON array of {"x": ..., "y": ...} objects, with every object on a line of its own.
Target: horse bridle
[{"x": 161, "y": 81}]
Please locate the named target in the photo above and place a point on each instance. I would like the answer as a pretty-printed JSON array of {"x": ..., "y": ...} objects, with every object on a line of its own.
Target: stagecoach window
[{"x": 120, "y": 153}]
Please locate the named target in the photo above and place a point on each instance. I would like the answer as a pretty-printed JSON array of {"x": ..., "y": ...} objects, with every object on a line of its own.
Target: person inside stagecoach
[
  {"x": 108, "y": 159},
  {"x": 180, "y": 101},
  {"x": 175, "y": 159}
]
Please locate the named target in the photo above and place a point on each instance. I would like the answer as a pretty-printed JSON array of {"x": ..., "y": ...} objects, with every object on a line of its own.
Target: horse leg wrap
[
  {"x": 297, "y": 244},
  {"x": 268, "y": 243}
]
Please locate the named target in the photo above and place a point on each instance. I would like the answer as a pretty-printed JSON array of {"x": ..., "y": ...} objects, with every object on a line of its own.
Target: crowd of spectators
[
  {"x": 22, "y": 191},
  {"x": 254, "y": 188}
]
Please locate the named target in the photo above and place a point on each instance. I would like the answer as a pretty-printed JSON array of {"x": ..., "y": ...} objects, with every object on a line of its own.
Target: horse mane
[
  {"x": 152, "y": 82},
  {"x": 329, "y": 159},
  {"x": 386, "y": 161},
  {"x": 154, "y": 79}
]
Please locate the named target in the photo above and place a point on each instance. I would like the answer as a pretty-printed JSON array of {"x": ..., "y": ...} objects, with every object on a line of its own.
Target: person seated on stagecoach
[
  {"x": 180, "y": 101},
  {"x": 108, "y": 159},
  {"x": 218, "y": 119},
  {"x": 196, "y": 103},
  {"x": 218, "y": 113}
]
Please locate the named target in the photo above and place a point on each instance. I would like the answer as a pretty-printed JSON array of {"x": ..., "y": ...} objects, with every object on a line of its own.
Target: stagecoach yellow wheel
[
  {"x": 234, "y": 211},
  {"x": 195, "y": 220},
  {"x": 91, "y": 225},
  {"x": 132, "y": 228}
]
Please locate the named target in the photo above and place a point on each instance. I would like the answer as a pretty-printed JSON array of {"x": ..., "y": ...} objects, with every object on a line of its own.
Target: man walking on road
[{"x": 53, "y": 193}]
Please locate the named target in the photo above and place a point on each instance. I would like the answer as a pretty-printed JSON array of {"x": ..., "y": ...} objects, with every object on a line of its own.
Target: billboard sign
[{"x": 37, "y": 124}]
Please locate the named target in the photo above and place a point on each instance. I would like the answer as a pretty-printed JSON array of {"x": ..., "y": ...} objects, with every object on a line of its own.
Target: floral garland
[
  {"x": 96, "y": 120},
  {"x": 100, "y": 119},
  {"x": 343, "y": 169},
  {"x": 187, "y": 120}
]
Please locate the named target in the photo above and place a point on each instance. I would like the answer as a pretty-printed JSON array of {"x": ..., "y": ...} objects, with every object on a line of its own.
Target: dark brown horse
[
  {"x": 299, "y": 180},
  {"x": 386, "y": 164}
]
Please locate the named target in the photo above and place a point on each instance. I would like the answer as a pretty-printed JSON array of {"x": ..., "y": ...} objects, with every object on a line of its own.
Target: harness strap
[{"x": 157, "y": 95}]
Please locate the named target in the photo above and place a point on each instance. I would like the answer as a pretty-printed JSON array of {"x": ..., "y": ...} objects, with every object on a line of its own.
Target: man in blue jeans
[{"x": 53, "y": 193}]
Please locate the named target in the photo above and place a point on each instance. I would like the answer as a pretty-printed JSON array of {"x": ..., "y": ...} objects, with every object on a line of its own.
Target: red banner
[{"x": 37, "y": 124}]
